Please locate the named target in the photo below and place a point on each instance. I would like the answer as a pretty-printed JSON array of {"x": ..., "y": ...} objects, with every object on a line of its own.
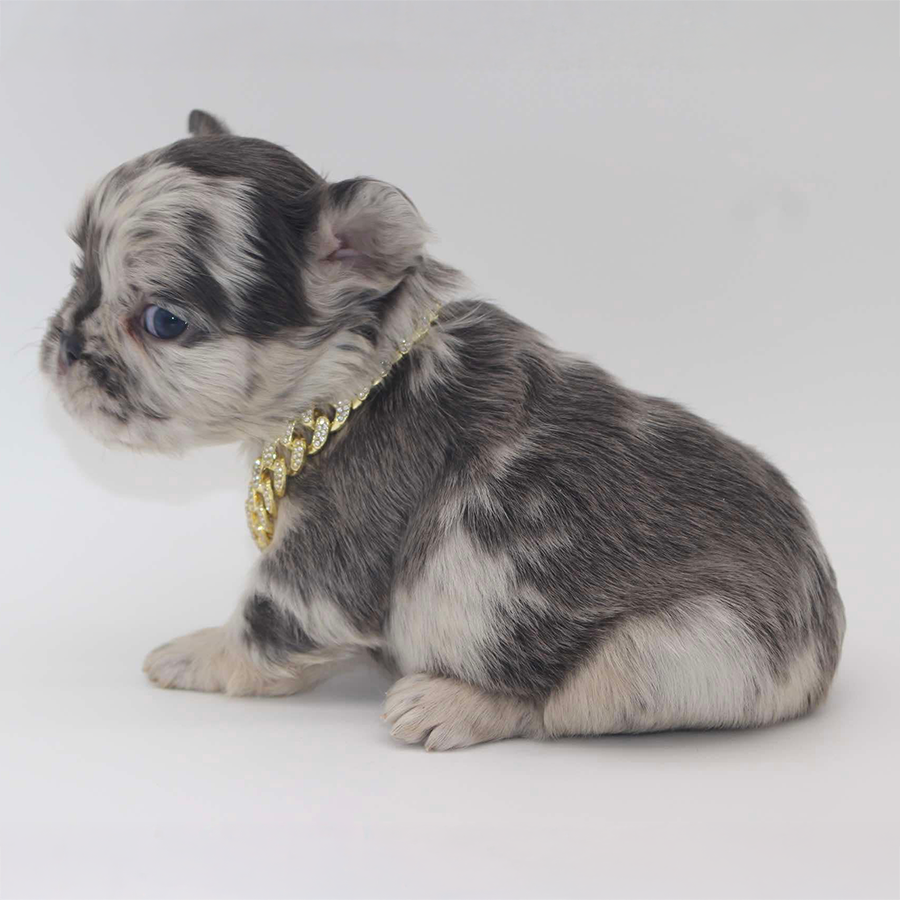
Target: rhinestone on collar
[{"x": 303, "y": 437}]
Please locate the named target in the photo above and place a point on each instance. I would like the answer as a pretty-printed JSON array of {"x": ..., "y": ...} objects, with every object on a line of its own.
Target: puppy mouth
[
  {"x": 97, "y": 391},
  {"x": 81, "y": 396},
  {"x": 115, "y": 421},
  {"x": 85, "y": 383},
  {"x": 83, "y": 400}
]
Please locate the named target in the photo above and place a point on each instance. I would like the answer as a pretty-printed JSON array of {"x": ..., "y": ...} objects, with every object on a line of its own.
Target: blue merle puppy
[{"x": 532, "y": 548}]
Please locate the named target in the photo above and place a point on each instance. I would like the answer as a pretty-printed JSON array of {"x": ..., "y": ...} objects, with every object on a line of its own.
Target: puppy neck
[{"x": 345, "y": 356}]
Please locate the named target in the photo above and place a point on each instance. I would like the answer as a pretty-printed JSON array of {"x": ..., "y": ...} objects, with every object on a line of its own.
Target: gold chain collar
[{"x": 286, "y": 455}]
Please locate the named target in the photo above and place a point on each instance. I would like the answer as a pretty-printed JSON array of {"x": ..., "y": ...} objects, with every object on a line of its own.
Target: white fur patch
[
  {"x": 144, "y": 221},
  {"x": 443, "y": 621},
  {"x": 703, "y": 670}
]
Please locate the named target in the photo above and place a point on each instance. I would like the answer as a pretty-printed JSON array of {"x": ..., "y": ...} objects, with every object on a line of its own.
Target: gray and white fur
[{"x": 532, "y": 548}]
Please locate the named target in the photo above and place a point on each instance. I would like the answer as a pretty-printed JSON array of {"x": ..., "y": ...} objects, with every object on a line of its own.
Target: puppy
[{"x": 532, "y": 548}]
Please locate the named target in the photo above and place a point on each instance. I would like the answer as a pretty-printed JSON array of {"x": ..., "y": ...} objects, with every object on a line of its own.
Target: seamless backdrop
[{"x": 701, "y": 198}]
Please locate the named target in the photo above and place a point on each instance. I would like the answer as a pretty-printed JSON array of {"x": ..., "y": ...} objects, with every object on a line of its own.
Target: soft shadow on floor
[{"x": 363, "y": 685}]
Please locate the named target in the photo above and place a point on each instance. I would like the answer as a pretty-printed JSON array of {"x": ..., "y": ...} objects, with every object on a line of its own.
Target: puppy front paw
[
  {"x": 444, "y": 714},
  {"x": 195, "y": 662}
]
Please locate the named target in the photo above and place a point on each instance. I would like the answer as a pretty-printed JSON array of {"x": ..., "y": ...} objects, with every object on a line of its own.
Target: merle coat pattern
[{"x": 532, "y": 548}]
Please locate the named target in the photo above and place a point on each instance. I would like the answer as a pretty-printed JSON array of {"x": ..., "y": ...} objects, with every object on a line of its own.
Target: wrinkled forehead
[{"x": 151, "y": 225}]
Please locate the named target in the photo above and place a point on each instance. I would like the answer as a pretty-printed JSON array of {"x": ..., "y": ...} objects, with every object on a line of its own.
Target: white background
[{"x": 703, "y": 199}]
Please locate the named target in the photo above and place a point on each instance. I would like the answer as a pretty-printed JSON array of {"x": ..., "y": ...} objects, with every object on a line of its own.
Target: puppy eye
[{"x": 162, "y": 324}]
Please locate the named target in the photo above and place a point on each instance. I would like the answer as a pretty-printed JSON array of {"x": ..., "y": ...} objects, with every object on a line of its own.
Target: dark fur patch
[
  {"x": 196, "y": 290},
  {"x": 202, "y": 124},
  {"x": 107, "y": 373},
  {"x": 87, "y": 291},
  {"x": 286, "y": 201},
  {"x": 273, "y": 631},
  {"x": 365, "y": 330},
  {"x": 342, "y": 193}
]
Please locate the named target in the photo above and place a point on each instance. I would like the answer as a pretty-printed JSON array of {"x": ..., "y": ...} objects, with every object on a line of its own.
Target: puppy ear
[
  {"x": 201, "y": 123},
  {"x": 369, "y": 235}
]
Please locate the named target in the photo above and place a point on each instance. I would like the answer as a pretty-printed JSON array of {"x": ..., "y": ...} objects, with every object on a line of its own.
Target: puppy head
[{"x": 223, "y": 285}]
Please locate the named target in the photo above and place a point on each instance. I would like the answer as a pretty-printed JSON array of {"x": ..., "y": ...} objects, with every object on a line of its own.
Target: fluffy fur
[{"x": 534, "y": 549}]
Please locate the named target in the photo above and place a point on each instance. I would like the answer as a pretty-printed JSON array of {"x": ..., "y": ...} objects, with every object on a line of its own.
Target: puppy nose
[{"x": 70, "y": 347}]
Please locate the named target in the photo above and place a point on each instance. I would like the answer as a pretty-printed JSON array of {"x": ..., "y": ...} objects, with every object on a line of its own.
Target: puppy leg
[
  {"x": 444, "y": 714},
  {"x": 701, "y": 669},
  {"x": 262, "y": 650}
]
